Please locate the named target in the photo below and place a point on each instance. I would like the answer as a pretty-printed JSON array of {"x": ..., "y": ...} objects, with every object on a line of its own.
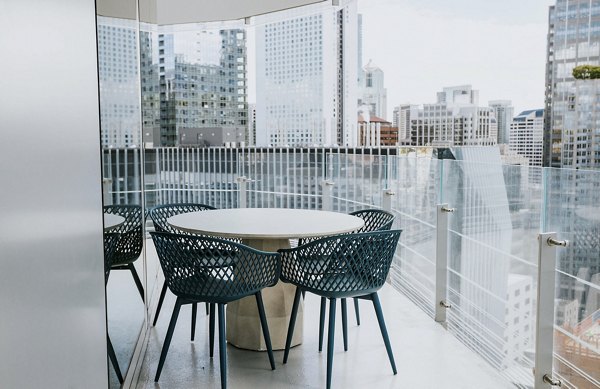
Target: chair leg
[
  {"x": 345, "y": 323},
  {"x": 265, "y": 328},
  {"x": 322, "y": 323},
  {"x": 163, "y": 291},
  {"x": 222, "y": 346},
  {"x": 290, "y": 332},
  {"x": 206, "y": 305},
  {"x": 194, "y": 313},
  {"x": 383, "y": 329},
  {"x": 113, "y": 359},
  {"x": 211, "y": 331},
  {"x": 356, "y": 311},
  {"x": 330, "y": 341},
  {"x": 167, "y": 342},
  {"x": 138, "y": 283}
]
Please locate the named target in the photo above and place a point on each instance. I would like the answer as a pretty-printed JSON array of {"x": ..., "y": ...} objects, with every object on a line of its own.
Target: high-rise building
[
  {"x": 572, "y": 116},
  {"x": 526, "y": 135},
  {"x": 307, "y": 77},
  {"x": 201, "y": 79},
  {"x": 119, "y": 85},
  {"x": 371, "y": 91},
  {"x": 504, "y": 114},
  {"x": 455, "y": 119}
]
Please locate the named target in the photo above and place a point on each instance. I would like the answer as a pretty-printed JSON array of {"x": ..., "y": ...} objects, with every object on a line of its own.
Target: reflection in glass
[{"x": 118, "y": 67}]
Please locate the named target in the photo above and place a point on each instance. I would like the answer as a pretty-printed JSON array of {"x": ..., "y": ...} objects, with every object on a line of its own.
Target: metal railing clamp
[
  {"x": 445, "y": 304},
  {"x": 555, "y": 242},
  {"x": 552, "y": 381}
]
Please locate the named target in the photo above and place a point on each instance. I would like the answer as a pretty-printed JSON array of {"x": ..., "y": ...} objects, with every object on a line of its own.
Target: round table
[
  {"x": 112, "y": 221},
  {"x": 267, "y": 229}
]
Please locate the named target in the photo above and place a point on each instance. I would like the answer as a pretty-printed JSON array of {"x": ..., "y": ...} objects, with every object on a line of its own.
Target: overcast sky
[{"x": 499, "y": 47}]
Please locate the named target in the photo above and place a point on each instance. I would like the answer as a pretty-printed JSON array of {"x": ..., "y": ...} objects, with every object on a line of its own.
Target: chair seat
[
  {"x": 328, "y": 285},
  {"x": 212, "y": 288}
]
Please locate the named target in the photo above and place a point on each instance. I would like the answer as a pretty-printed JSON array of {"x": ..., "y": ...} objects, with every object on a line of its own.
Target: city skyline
[{"x": 441, "y": 43}]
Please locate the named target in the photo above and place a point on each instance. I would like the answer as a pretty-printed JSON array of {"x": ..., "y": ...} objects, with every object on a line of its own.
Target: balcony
[{"x": 488, "y": 270}]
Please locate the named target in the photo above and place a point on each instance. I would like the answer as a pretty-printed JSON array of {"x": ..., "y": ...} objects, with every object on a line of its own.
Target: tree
[{"x": 586, "y": 72}]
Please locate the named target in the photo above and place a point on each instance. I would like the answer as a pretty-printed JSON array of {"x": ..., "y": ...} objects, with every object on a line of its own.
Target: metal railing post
[
  {"x": 327, "y": 200},
  {"x": 544, "y": 325},
  {"x": 242, "y": 191},
  {"x": 106, "y": 187},
  {"x": 441, "y": 263},
  {"x": 386, "y": 202}
]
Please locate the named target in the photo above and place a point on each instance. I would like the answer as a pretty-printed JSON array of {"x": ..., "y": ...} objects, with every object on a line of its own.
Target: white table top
[
  {"x": 111, "y": 221},
  {"x": 266, "y": 223}
]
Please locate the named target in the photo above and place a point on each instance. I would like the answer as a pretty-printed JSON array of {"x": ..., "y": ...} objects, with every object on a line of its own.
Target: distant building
[
  {"x": 213, "y": 137},
  {"x": 375, "y": 131},
  {"x": 118, "y": 73},
  {"x": 372, "y": 92},
  {"x": 307, "y": 76},
  {"x": 504, "y": 114},
  {"x": 510, "y": 157},
  {"x": 202, "y": 81},
  {"x": 526, "y": 135},
  {"x": 455, "y": 119},
  {"x": 571, "y": 135},
  {"x": 251, "y": 138}
]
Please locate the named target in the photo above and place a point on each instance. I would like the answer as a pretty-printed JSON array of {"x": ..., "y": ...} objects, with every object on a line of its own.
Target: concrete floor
[{"x": 426, "y": 355}]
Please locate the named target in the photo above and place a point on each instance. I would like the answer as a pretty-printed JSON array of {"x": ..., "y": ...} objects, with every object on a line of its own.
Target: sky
[{"x": 499, "y": 47}]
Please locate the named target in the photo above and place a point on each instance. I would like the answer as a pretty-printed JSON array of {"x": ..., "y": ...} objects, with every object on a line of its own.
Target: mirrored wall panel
[{"x": 122, "y": 156}]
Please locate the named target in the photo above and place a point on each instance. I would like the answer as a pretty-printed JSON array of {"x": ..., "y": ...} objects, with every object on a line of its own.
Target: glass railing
[{"x": 492, "y": 251}]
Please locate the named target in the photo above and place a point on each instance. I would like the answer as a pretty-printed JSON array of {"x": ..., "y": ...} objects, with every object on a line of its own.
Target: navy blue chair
[
  {"x": 194, "y": 272},
  {"x": 159, "y": 216},
  {"x": 375, "y": 220},
  {"x": 340, "y": 267},
  {"x": 110, "y": 244},
  {"x": 131, "y": 240}
]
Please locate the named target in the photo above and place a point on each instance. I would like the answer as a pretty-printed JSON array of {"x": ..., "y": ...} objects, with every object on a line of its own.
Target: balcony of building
[{"x": 491, "y": 277}]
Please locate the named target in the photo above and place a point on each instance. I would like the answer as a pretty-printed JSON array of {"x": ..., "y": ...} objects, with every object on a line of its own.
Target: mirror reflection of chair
[
  {"x": 340, "y": 267},
  {"x": 131, "y": 240},
  {"x": 194, "y": 272},
  {"x": 110, "y": 244},
  {"x": 159, "y": 216}
]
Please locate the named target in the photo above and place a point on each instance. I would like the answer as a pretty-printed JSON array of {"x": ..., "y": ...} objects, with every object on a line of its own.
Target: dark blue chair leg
[
  {"x": 163, "y": 291},
  {"x": 211, "y": 331},
  {"x": 383, "y": 329},
  {"x": 206, "y": 305},
  {"x": 345, "y": 323},
  {"x": 136, "y": 279},
  {"x": 167, "y": 343},
  {"x": 356, "y": 311},
  {"x": 322, "y": 323},
  {"x": 113, "y": 359},
  {"x": 330, "y": 341},
  {"x": 265, "y": 328},
  {"x": 222, "y": 346},
  {"x": 194, "y": 313},
  {"x": 290, "y": 332}
]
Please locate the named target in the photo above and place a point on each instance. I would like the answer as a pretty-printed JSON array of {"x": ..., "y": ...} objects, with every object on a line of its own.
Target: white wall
[{"x": 52, "y": 300}]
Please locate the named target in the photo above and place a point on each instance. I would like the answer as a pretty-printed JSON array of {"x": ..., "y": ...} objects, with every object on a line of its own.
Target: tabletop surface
[
  {"x": 266, "y": 223},
  {"x": 112, "y": 220}
]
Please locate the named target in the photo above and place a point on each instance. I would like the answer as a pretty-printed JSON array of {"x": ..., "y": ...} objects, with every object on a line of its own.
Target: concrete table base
[{"x": 243, "y": 324}]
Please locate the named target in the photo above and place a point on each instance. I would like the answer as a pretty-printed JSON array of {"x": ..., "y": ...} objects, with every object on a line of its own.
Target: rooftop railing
[{"x": 481, "y": 250}]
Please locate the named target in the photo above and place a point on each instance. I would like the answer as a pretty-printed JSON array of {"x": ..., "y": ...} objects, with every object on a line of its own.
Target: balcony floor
[{"x": 427, "y": 356}]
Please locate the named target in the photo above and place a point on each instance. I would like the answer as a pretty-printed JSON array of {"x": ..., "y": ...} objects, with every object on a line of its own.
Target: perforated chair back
[
  {"x": 131, "y": 240},
  {"x": 214, "y": 270},
  {"x": 343, "y": 265},
  {"x": 110, "y": 244},
  {"x": 161, "y": 213},
  {"x": 375, "y": 220}
]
